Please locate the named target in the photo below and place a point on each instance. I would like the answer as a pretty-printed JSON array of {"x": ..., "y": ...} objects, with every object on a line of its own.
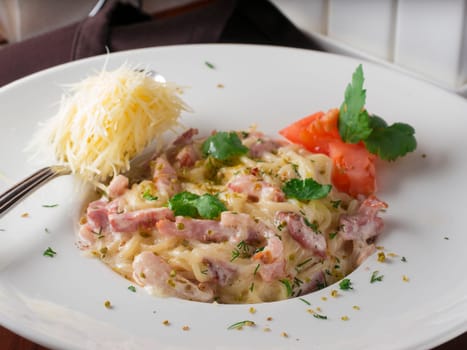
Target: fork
[{"x": 12, "y": 196}]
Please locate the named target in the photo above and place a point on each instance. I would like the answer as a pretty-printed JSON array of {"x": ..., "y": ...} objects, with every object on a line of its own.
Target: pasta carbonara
[{"x": 236, "y": 217}]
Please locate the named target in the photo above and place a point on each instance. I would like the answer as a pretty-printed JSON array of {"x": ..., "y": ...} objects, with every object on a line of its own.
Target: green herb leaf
[
  {"x": 404, "y": 259},
  {"x": 132, "y": 289},
  {"x": 332, "y": 235},
  {"x": 245, "y": 323},
  {"x": 305, "y": 301},
  {"x": 223, "y": 146},
  {"x": 49, "y": 252},
  {"x": 355, "y": 125},
  {"x": 235, "y": 254},
  {"x": 390, "y": 142},
  {"x": 375, "y": 277},
  {"x": 313, "y": 225},
  {"x": 336, "y": 204},
  {"x": 256, "y": 269},
  {"x": 353, "y": 119},
  {"x": 148, "y": 196},
  {"x": 306, "y": 189},
  {"x": 288, "y": 286},
  {"x": 190, "y": 204},
  {"x": 49, "y": 205},
  {"x": 209, "y": 206},
  {"x": 209, "y": 64},
  {"x": 321, "y": 317},
  {"x": 345, "y": 284},
  {"x": 184, "y": 204}
]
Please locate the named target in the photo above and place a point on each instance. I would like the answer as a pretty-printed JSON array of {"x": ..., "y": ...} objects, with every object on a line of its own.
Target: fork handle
[{"x": 12, "y": 196}]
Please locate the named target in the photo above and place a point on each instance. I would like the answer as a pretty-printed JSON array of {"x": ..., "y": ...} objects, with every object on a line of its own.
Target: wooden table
[{"x": 11, "y": 341}]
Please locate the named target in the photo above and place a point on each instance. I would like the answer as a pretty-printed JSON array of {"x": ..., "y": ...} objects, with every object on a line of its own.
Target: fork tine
[{"x": 14, "y": 194}]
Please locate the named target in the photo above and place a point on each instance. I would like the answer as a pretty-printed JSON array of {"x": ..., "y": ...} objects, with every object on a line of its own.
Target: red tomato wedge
[{"x": 354, "y": 166}]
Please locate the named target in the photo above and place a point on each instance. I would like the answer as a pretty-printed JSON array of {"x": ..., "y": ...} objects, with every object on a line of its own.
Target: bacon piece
[
  {"x": 198, "y": 229},
  {"x": 314, "y": 282},
  {"x": 118, "y": 186},
  {"x": 259, "y": 144},
  {"x": 97, "y": 215},
  {"x": 220, "y": 271},
  {"x": 301, "y": 232},
  {"x": 183, "y": 150},
  {"x": 165, "y": 177},
  {"x": 86, "y": 237},
  {"x": 152, "y": 271},
  {"x": 188, "y": 156},
  {"x": 364, "y": 224},
  {"x": 185, "y": 138},
  {"x": 272, "y": 260},
  {"x": 139, "y": 219},
  {"x": 256, "y": 189},
  {"x": 257, "y": 149},
  {"x": 244, "y": 227}
]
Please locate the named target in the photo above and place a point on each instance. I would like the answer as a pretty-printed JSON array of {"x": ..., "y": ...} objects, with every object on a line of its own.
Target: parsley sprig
[
  {"x": 49, "y": 252},
  {"x": 223, "y": 146},
  {"x": 376, "y": 277},
  {"x": 190, "y": 204},
  {"x": 305, "y": 189},
  {"x": 355, "y": 125}
]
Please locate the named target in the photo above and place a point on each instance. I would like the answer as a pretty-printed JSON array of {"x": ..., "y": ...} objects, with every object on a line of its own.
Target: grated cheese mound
[{"x": 107, "y": 119}]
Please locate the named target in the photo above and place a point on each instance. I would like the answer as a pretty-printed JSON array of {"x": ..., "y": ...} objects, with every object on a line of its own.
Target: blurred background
[{"x": 423, "y": 38}]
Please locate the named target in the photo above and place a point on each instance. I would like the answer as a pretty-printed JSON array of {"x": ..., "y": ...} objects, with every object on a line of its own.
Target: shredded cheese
[{"x": 109, "y": 118}]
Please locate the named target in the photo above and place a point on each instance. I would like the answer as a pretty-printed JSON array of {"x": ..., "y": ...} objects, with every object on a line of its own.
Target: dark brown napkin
[{"x": 118, "y": 26}]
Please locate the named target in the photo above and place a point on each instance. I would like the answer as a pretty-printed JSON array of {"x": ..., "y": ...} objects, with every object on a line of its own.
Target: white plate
[{"x": 59, "y": 302}]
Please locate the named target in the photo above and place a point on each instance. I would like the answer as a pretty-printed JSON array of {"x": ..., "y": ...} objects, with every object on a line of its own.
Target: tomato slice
[{"x": 354, "y": 166}]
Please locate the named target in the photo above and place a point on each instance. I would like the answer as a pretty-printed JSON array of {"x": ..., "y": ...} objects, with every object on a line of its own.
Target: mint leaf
[
  {"x": 223, "y": 146},
  {"x": 306, "y": 189},
  {"x": 190, "y": 204},
  {"x": 353, "y": 119},
  {"x": 390, "y": 142}
]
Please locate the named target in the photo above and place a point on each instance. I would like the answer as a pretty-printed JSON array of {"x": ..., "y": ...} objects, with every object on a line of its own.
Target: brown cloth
[{"x": 118, "y": 26}]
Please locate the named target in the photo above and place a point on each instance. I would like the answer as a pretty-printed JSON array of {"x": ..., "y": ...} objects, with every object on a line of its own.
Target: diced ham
[
  {"x": 235, "y": 227},
  {"x": 272, "y": 260},
  {"x": 117, "y": 186},
  {"x": 260, "y": 147},
  {"x": 183, "y": 151},
  {"x": 165, "y": 177},
  {"x": 185, "y": 138},
  {"x": 256, "y": 189},
  {"x": 188, "y": 156},
  {"x": 86, "y": 237},
  {"x": 197, "y": 229},
  {"x": 97, "y": 215},
  {"x": 152, "y": 271},
  {"x": 220, "y": 271},
  {"x": 139, "y": 219},
  {"x": 301, "y": 232},
  {"x": 362, "y": 252},
  {"x": 364, "y": 224},
  {"x": 244, "y": 227},
  {"x": 316, "y": 281},
  {"x": 259, "y": 144}
]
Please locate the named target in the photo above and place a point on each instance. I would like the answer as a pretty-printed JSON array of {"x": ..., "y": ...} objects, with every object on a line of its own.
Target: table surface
[{"x": 11, "y": 341}]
